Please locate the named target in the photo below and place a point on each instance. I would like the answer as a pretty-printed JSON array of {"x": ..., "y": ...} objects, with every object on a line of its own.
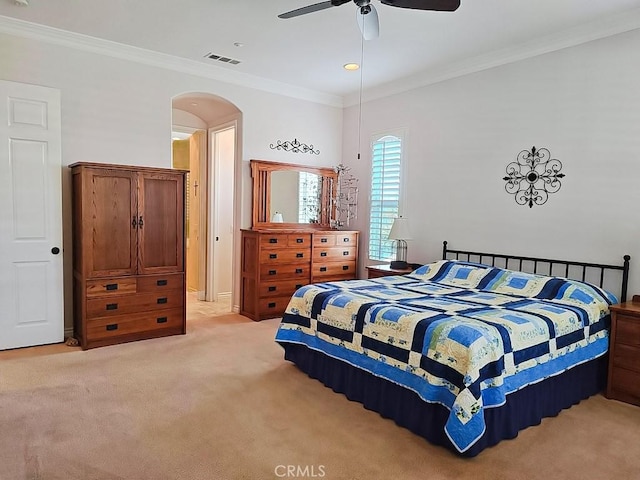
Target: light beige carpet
[{"x": 221, "y": 403}]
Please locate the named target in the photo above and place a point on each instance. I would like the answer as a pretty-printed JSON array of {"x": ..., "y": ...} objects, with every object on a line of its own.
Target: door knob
[{"x": 55, "y": 250}]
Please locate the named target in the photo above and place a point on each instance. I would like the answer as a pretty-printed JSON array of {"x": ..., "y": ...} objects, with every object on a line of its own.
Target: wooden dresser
[
  {"x": 275, "y": 263},
  {"x": 128, "y": 258},
  {"x": 624, "y": 352}
]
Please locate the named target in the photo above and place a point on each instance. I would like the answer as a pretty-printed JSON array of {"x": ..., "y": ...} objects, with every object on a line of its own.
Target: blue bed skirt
[{"x": 524, "y": 408}]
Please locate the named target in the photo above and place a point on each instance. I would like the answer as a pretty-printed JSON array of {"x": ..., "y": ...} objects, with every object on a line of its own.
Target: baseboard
[
  {"x": 235, "y": 309},
  {"x": 223, "y": 297},
  {"x": 68, "y": 332}
]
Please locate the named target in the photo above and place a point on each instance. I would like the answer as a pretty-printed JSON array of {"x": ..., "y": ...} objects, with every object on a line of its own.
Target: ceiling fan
[{"x": 367, "y": 15}]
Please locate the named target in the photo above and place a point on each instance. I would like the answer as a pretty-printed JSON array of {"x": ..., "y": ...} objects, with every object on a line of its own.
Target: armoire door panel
[
  {"x": 112, "y": 210},
  {"x": 160, "y": 223}
]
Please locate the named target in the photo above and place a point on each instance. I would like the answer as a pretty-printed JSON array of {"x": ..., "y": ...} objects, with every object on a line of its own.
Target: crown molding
[
  {"x": 588, "y": 32},
  {"x": 34, "y": 31}
]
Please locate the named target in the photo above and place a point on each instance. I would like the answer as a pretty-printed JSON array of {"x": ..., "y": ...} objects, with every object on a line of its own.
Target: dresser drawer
[
  {"x": 110, "y": 306},
  {"x": 324, "y": 240},
  {"x": 333, "y": 269},
  {"x": 279, "y": 289},
  {"x": 332, "y": 254},
  {"x": 279, "y": 272},
  {"x": 279, "y": 240},
  {"x": 628, "y": 357},
  {"x": 273, "y": 307},
  {"x": 284, "y": 255},
  {"x": 627, "y": 330},
  {"x": 160, "y": 283},
  {"x": 110, "y": 287},
  {"x": 299, "y": 240},
  {"x": 105, "y": 327}
]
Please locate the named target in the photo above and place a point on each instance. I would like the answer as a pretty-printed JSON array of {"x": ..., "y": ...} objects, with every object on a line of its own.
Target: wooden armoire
[{"x": 128, "y": 253}]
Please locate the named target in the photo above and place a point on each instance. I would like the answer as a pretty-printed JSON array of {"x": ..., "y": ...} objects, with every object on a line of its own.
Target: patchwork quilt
[{"x": 457, "y": 333}]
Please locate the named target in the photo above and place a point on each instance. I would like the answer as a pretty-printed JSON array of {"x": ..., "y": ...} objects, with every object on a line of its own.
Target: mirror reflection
[{"x": 295, "y": 197}]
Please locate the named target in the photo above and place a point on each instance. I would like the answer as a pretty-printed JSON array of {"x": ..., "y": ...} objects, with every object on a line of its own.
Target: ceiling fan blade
[
  {"x": 437, "y": 5},
  {"x": 368, "y": 23},
  {"x": 316, "y": 7}
]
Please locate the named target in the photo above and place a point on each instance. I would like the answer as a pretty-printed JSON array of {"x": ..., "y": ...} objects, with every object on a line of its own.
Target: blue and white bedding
[{"x": 457, "y": 333}]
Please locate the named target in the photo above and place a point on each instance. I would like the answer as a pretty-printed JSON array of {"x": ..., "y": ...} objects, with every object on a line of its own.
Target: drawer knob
[
  {"x": 112, "y": 326},
  {"x": 298, "y": 270},
  {"x": 299, "y": 240},
  {"x": 272, "y": 304},
  {"x": 299, "y": 255},
  {"x": 345, "y": 267},
  {"x": 273, "y": 255},
  {"x": 161, "y": 320},
  {"x": 162, "y": 300},
  {"x": 273, "y": 240},
  {"x": 323, "y": 240},
  {"x": 345, "y": 253},
  {"x": 272, "y": 289},
  {"x": 345, "y": 239},
  {"x": 111, "y": 286},
  {"x": 161, "y": 283},
  {"x": 299, "y": 285},
  {"x": 323, "y": 269},
  {"x": 323, "y": 254},
  {"x": 112, "y": 306},
  {"x": 272, "y": 272}
]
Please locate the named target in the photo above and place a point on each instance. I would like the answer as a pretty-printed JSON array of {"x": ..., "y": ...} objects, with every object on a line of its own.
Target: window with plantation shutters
[
  {"x": 386, "y": 157},
  {"x": 308, "y": 197}
]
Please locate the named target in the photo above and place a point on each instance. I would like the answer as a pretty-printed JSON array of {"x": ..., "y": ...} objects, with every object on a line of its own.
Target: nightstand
[
  {"x": 624, "y": 352},
  {"x": 376, "y": 271}
]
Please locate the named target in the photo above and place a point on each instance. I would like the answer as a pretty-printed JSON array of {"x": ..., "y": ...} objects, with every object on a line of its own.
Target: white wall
[
  {"x": 582, "y": 103},
  {"x": 118, "y": 111}
]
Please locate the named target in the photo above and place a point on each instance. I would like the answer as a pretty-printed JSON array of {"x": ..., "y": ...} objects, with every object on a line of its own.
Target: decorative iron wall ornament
[
  {"x": 294, "y": 146},
  {"x": 533, "y": 176}
]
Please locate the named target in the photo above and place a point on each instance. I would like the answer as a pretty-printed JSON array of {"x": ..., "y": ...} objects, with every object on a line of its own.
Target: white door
[
  {"x": 221, "y": 228},
  {"x": 31, "y": 284}
]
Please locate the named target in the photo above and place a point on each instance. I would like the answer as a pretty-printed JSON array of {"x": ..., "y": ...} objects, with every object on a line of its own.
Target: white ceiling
[{"x": 308, "y": 52}]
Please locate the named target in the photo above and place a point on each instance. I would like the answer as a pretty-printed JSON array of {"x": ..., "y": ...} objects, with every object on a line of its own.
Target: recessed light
[
  {"x": 351, "y": 66},
  {"x": 238, "y": 44}
]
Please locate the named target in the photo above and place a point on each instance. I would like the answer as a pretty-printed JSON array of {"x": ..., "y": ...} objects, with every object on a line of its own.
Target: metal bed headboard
[{"x": 586, "y": 272}]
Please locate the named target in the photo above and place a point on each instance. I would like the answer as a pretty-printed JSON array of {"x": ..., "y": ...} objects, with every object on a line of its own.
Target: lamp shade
[{"x": 400, "y": 229}]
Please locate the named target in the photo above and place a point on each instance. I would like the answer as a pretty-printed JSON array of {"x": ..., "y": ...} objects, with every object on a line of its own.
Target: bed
[{"x": 466, "y": 351}]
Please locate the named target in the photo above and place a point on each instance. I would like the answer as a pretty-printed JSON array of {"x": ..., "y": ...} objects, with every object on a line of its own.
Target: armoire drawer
[
  {"x": 141, "y": 302},
  {"x": 105, "y": 327},
  {"x": 160, "y": 283},
  {"x": 111, "y": 286}
]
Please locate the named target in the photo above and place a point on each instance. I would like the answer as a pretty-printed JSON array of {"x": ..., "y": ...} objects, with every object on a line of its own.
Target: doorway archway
[{"x": 206, "y": 127}]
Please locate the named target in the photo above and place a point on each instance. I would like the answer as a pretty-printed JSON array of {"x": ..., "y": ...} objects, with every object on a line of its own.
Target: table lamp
[{"x": 400, "y": 233}]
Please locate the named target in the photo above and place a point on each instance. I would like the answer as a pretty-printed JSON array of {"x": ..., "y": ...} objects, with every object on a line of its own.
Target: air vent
[{"x": 222, "y": 58}]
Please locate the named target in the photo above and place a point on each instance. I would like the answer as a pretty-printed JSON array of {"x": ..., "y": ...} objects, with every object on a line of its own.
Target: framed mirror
[{"x": 286, "y": 195}]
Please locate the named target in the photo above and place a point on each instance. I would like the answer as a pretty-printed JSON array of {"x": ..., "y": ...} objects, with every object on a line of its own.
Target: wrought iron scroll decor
[
  {"x": 346, "y": 198},
  {"x": 533, "y": 176},
  {"x": 294, "y": 146}
]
